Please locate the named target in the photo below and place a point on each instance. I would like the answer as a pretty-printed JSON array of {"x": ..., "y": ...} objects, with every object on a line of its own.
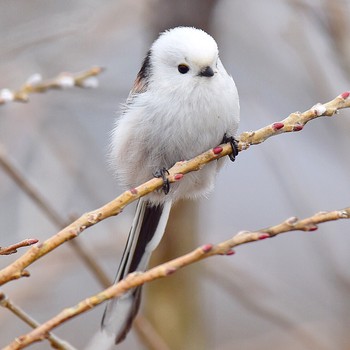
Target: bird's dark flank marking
[
  {"x": 145, "y": 70},
  {"x": 142, "y": 78}
]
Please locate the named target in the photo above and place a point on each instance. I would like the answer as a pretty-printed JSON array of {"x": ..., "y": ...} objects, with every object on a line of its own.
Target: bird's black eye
[{"x": 183, "y": 68}]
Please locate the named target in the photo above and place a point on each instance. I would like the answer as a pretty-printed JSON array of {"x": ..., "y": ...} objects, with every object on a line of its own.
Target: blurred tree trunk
[
  {"x": 174, "y": 304},
  {"x": 167, "y": 14},
  {"x": 339, "y": 26}
]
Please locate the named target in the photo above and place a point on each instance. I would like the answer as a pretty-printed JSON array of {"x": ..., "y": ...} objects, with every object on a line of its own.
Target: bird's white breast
[{"x": 169, "y": 123}]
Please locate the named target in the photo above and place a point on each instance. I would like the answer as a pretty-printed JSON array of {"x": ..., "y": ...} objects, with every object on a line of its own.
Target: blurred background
[{"x": 291, "y": 292}]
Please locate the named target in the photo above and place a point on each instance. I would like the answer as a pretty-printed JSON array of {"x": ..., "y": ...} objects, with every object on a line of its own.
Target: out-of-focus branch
[
  {"x": 8, "y": 166},
  {"x": 35, "y": 84},
  {"x": 337, "y": 12},
  {"x": 56, "y": 342},
  {"x": 11, "y": 249},
  {"x": 138, "y": 278},
  {"x": 142, "y": 325},
  {"x": 294, "y": 122},
  {"x": 18, "y": 177},
  {"x": 237, "y": 286}
]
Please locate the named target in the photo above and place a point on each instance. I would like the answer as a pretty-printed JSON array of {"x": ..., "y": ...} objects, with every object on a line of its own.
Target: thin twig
[
  {"x": 237, "y": 287},
  {"x": 11, "y": 249},
  {"x": 139, "y": 278},
  {"x": 294, "y": 122},
  {"x": 38, "y": 199},
  {"x": 144, "y": 328},
  {"x": 56, "y": 342},
  {"x": 35, "y": 84}
]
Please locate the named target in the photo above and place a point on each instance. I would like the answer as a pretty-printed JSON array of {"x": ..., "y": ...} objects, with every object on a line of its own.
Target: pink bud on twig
[
  {"x": 264, "y": 236},
  {"x": 133, "y": 190},
  {"x": 170, "y": 270},
  {"x": 31, "y": 241},
  {"x": 217, "y": 150},
  {"x": 298, "y": 127},
  {"x": 312, "y": 228},
  {"x": 277, "y": 126},
  {"x": 207, "y": 248},
  {"x": 345, "y": 95},
  {"x": 178, "y": 177},
  {"x": 230, "y": 252}
]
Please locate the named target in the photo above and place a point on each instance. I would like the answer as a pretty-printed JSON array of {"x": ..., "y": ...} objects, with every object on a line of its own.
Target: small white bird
[{"x": 182, "y": 103}]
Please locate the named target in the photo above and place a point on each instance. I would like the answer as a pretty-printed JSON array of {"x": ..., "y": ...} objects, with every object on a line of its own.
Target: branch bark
[
  {"x": 138, "y": 278},
  {"x": 294, "y": 122}
]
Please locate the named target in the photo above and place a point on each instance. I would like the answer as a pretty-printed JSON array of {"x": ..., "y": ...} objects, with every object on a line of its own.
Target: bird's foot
[
  {"x": 162, "y": 173},
  {"x": 234, "y": 145}
]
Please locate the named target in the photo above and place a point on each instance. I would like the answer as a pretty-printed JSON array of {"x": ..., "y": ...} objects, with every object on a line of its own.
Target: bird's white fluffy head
[
  {"x": 185, "y": 43},
  {"x": 182, "y": 45}
]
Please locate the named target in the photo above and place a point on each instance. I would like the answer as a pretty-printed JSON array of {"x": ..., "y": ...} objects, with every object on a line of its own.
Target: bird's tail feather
[{"x": 145, "y": 234}]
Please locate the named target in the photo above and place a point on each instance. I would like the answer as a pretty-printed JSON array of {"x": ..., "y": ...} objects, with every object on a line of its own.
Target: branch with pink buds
[
  {"x": 35, "y": 84},
  {"x": 139, "y": 278},
  {"x": 294, "y": 122}
]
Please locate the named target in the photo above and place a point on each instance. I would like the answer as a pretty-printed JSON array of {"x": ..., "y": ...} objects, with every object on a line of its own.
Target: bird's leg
[
  {"x": 161, "y": 173},
  {"x": 234, "y": 145}
]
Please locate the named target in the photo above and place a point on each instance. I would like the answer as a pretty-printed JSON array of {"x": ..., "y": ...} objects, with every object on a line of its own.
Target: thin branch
[
  {"x": 237, "y": 285},
  {"x": 9, "y": 167},
  {"x": 139, "y": 278},
  {"x": 144, "y": 328},
  {"x": 56, "y": 342},
  {"x": 38, "y": 199},
  {"x": 11, "y": 249},
  {"x": 294, "y": 122},
  {"x": 35, "y": 84}
]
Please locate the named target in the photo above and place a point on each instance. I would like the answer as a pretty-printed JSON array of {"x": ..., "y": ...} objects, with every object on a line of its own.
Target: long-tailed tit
[{"x": 182, "y": 103}]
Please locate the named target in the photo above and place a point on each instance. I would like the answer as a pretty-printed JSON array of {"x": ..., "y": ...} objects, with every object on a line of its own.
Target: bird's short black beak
[{"x": 206, "y": 72}]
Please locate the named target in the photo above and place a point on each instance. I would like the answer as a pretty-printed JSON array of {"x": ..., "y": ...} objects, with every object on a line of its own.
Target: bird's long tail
[{"x": 145, "y": 234}]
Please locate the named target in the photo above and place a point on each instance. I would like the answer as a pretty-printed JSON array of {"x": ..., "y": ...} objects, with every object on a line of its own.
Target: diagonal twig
[
  {"x": 138, "y": 278},
  {"x": 56, "y": 342},
  {"x": 294, "y": 122},
  {"x": 11, "y": 249}
]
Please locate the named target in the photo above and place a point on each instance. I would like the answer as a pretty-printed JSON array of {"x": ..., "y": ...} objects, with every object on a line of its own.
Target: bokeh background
[{"x": 291, "y": 292}]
